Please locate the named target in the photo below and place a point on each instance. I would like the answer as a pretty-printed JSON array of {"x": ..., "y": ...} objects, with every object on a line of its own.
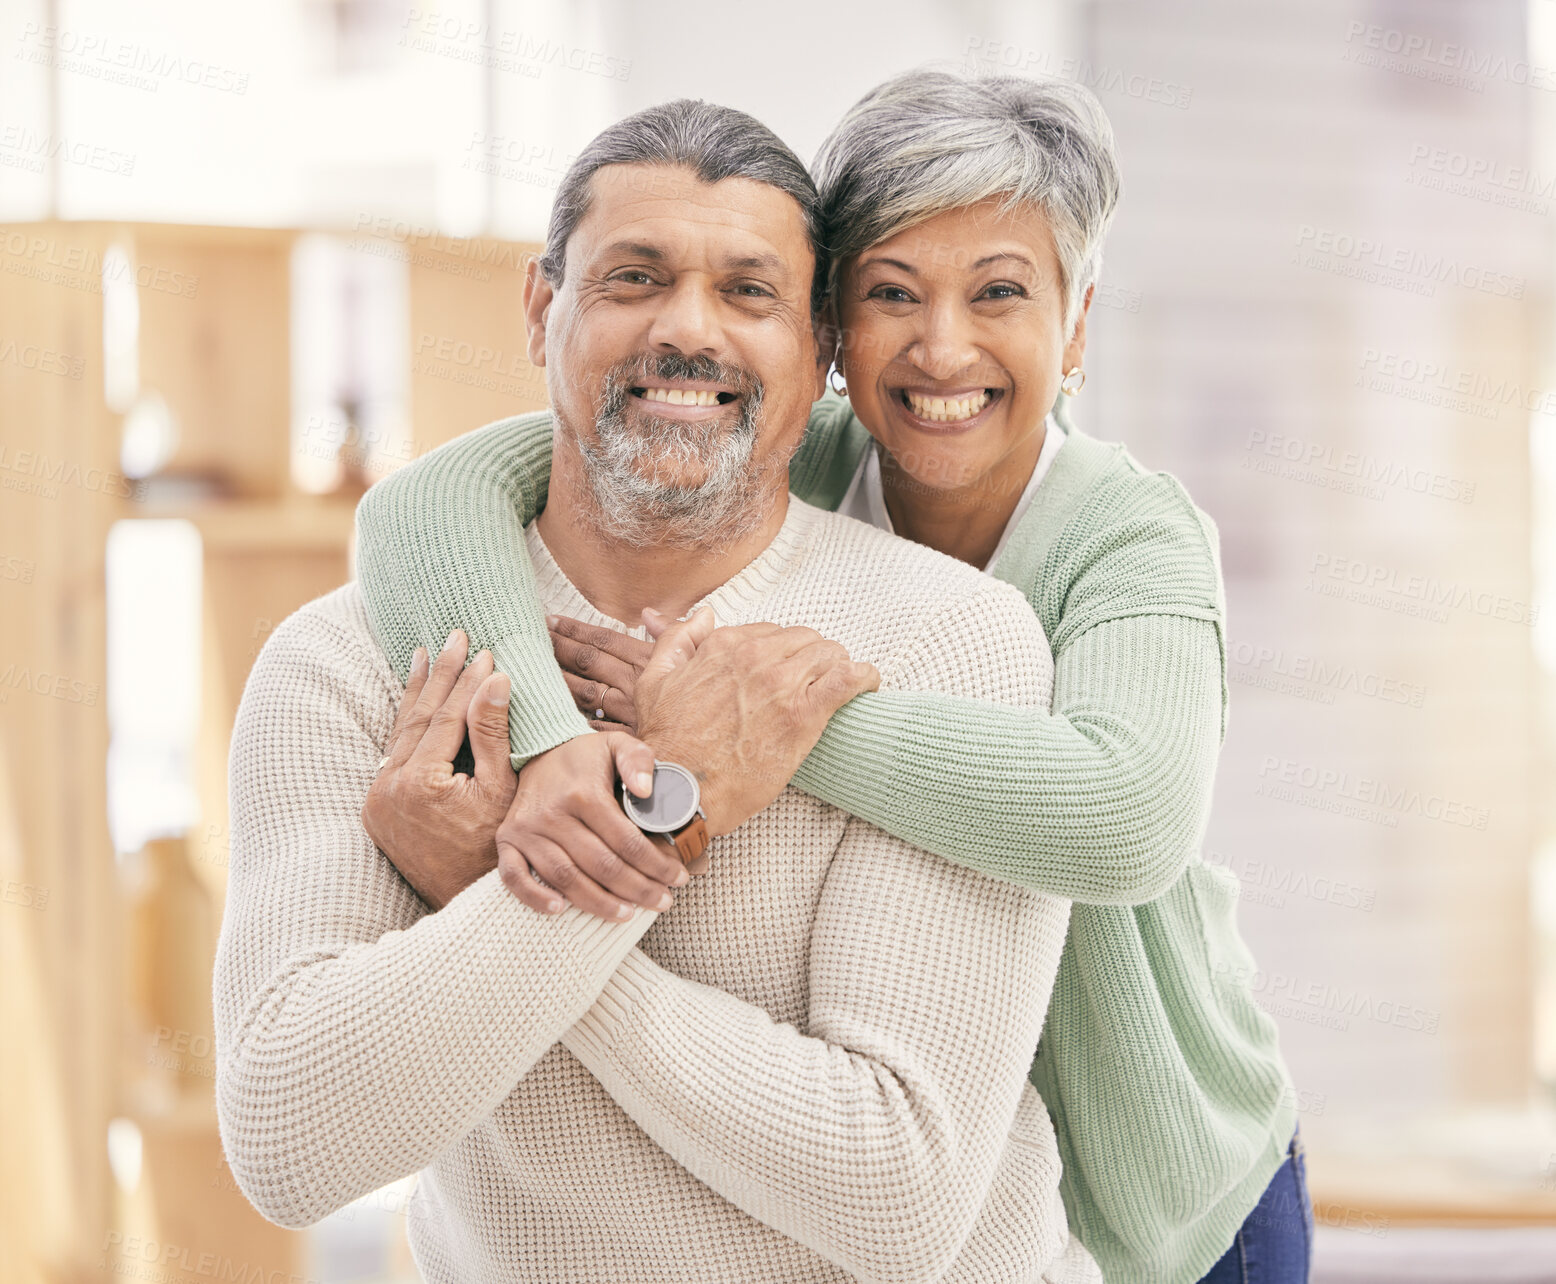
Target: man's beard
[{"x": 626, "y": 462}]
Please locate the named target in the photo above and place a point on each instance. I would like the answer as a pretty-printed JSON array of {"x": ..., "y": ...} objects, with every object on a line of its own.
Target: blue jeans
[{"x": 1275, "y": 1244}]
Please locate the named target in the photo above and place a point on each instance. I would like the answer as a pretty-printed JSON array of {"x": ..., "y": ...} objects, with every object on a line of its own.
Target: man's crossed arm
[{"x": 360, "y": 1038}]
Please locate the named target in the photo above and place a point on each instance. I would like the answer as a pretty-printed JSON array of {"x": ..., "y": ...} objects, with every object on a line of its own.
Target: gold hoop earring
[
  {"x": 1069, "y": 389},
  {"x": 836, "y": 382}
]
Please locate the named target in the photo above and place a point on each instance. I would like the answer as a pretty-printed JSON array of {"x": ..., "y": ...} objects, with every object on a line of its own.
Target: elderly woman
[{"x": 966, "y": 220}]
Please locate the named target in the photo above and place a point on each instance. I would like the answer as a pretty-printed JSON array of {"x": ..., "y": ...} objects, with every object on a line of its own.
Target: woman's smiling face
[{"x": 953, "y": 345}]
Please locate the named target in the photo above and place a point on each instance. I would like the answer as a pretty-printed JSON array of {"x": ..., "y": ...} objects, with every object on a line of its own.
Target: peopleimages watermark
[
  {"x": 216, "y": 847},
  {"x": 996, "y": 56},
  {"x": 41, "y": 360},
  {"x": 182, "y": 1052},
  {"x": 56, "y": 686},
  {"x": 1309, "y": 677},
  {"x": 1267, "y": 883},
  {"x": 18, "y": 570},
  {"x": 521, "y": 52},
  {"x": 1480, "y": 178},
  {"x": 1438, "y": 384},
  {"x": 477, "y": 365},
  {"x": 1349, "y": 471},
  {"x": 1288, "y": 779},
  {"x": 1423, "y": 596},
  {"x": 1264, "y": 882},
  {"x": 23, "y": 148},
  {"x": 371, "y": 449},
  {"x": 1426, "y": 57},
  {"x": 429, "y": 248},
  {"x": 517, "y": 160},
  {"x": 1329, "y": 1005},
  {"x": 164, "y": 1262},
  {"x": 35, "y": 473},
  {"x": 80, "y": 267},
  {"x": 1322, "y": 249},
  {"x": 24, "y": 895},
  {"x": 1307, "y": 1101},
  {"x": 1117, "y": 296},
  {"x": 109, "y": 58}
]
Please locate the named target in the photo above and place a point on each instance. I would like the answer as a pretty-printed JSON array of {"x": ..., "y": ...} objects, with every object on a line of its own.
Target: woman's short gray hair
[{"x": 930, "y": 141}]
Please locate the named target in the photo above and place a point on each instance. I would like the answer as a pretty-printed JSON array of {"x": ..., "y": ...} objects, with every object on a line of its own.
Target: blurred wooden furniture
[
  {"x": 107, "y": 963},
  {"x": 58, "y": 921}
]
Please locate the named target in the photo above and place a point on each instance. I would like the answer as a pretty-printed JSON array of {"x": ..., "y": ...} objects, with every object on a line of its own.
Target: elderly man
[{"x": 814, "y": 1066}]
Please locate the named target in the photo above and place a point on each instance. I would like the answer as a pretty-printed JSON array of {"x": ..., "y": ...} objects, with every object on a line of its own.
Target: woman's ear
[
  {"x": 537, "y": 306},
  {"x": 828, "y": 345},
  {"x": 1075, "y": 349}
]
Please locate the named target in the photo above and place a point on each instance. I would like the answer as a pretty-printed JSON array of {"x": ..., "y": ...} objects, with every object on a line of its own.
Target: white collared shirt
[{"x": 866, "y": 502}]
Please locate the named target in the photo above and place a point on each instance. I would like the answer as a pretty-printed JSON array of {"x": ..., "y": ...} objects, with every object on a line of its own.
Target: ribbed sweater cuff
[
  {"x": 541, "y": 712},
  {"x": 630, "y": 987},
  {"x": 602, "y": 947},
  {"x": 844, "y": 768}
]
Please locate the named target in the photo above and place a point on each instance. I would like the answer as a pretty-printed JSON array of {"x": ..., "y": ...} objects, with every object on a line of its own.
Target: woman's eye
[
  {"x": 891, "y": 294},
  {"x": 1003, "y": 290}
]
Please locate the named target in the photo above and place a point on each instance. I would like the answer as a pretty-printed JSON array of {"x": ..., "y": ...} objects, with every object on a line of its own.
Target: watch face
[{"x": 672, "y": 804}]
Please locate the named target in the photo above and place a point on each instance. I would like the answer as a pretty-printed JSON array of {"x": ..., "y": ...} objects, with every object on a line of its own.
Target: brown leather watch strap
[{"x": 691, "y": 840}]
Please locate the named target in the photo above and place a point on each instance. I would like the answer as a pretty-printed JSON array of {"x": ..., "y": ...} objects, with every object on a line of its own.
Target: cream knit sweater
[{"x": 814, "y": 1067}]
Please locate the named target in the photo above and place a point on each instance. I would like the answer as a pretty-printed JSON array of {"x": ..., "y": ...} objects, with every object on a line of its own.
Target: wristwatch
[{"x": 672, "y": 808}]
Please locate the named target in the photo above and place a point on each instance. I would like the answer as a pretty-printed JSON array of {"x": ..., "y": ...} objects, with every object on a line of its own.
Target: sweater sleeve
[
  {"x": 873, "y": 1135},
  {"x": 440, "y": 546},
  {"x": 358, "y": 1036},
  {"x": 1102, "y": 801}
]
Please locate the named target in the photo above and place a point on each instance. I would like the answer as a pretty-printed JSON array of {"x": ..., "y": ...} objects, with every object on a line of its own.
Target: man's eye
[
  {"x": 632, "y": 276},
  {"x": 754, "y": 291}
]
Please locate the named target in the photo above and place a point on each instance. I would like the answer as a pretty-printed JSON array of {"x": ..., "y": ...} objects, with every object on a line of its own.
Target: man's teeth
[
  {"x": 681, "y": 396},
  {"x": 947, "y": 409}
]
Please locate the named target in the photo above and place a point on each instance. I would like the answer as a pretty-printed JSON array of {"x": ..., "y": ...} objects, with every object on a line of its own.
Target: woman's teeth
[
  {"x": 681, "y": 396},
  {"x": 947, "y": 410}
]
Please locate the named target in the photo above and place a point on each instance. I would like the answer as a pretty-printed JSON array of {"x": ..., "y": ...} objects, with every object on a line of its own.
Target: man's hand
[
  {"x": 567, "y": 826},
  {"x": 437, "y": 827},
  {"x": 741, "y": 706}
]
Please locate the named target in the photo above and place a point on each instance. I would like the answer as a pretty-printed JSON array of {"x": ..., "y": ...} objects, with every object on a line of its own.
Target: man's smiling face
[{"x": 679, "y": 347}]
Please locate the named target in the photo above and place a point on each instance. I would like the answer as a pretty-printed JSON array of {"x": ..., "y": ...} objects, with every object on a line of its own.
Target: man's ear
[
  {"x": 1075, "y": 349},
  {"x": 537, "y": 306}
]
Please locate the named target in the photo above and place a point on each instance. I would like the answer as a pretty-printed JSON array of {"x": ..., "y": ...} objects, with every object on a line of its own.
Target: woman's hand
[
  {"x": 437, "y": 827},
  {"x": 601, "y": 667}
]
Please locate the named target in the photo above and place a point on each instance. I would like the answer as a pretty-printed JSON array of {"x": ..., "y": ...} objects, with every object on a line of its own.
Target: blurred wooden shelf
[
  {"x": 1362, "y": 1194},
  {"x": 306, "y": 522}
]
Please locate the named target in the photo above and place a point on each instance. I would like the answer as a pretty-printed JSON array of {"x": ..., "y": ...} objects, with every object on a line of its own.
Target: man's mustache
[{"x": 634, "y": 372}]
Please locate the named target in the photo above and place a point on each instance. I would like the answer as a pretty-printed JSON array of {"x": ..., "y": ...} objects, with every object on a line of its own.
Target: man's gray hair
[
  {"x": 930, "y": 141},
  {"x": 714, "y": 142}
]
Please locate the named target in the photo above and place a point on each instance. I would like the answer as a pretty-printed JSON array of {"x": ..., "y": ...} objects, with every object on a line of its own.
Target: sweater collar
[
  {"x": 1076, "y": 469},
  {"x": 738, "y": 600}
]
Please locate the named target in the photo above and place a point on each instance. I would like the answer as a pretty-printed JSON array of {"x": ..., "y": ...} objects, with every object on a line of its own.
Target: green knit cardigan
[{"x": 1171, "y": 1103}]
